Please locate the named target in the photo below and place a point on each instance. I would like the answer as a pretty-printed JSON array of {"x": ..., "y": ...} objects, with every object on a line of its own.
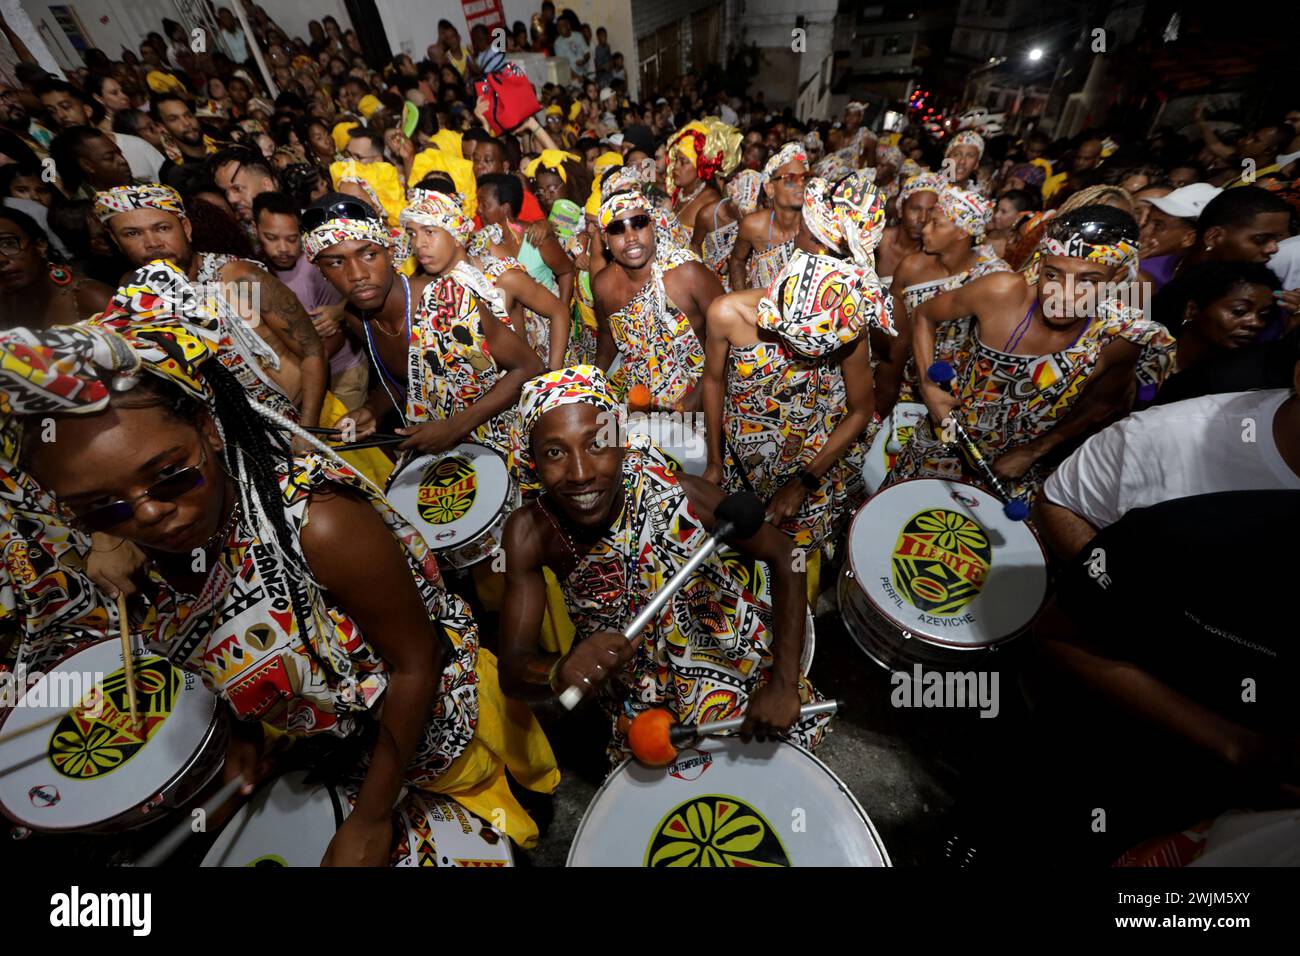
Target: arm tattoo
[{"x": 282, "y": 309}]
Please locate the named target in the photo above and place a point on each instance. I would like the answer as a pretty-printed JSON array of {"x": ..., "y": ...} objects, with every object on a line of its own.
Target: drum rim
[
  {"x": 337, "y": 804},
  {"x": 851, "y": 565},
  {"x": 512, "y": 492},
  {"x": 820, "y": 764},
  {"x": 111, "y": 823}
]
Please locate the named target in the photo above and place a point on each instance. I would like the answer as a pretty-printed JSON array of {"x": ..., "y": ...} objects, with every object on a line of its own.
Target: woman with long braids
[{"x": 289, "y": 584}]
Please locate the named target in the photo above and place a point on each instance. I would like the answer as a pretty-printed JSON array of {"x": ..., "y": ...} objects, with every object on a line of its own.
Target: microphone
[
  {"x": 942, "y": 374},
  {"x": 738, "y": 516}
]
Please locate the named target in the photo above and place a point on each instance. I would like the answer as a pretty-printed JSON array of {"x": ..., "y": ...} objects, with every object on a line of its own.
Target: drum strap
[{"x": 740, "y": 467}]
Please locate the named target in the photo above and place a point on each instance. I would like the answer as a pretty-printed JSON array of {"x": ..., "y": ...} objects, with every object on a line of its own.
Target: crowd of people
[{"x": 218, "y": 277}]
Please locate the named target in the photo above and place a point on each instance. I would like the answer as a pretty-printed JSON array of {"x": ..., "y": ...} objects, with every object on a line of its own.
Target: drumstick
[
  {"x": 169, "y": 844},
  {"x": 372, "y": 442},
  {"x": 942, "y": 374},
  {"x": 326, "y": 432},
  {"x": 43, "y": 722},
  {"x": 128, "y": 661},
  {"x": 893, "y": 445},
  {"x": 654, "y": 737}
]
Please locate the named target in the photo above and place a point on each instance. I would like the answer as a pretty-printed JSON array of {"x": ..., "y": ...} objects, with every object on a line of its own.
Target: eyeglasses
[
  {"x": 794, "y": 179},
  {"x": 10, "y": 246},
  {"x": 639, "y": 221},
  {"x": 316, "y": 216},
  {"x": 169, "y": 488}
]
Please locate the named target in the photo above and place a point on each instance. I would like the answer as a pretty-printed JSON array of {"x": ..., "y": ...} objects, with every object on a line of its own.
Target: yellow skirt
[
  {"x": 371, "y": 462},
  {"x": 507, "y": 737}
]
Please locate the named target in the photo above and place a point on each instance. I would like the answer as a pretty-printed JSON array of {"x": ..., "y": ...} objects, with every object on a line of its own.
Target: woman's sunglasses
[
  {"x": 639, "y": 221},
  {"x": 103, "y": 517},
  {"x": 317, "y": 216}
]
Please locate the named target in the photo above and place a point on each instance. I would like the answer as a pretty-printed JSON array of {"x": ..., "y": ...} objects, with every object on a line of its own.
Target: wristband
[{"x": 550, "y": 675}]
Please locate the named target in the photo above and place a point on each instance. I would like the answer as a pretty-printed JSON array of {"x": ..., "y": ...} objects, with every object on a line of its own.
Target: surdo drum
[
  {"x": 291, "y": 823},
  {"x": 458, "y": 501},
  {"x": 725, "y": 803},
  {"x": 677, "y": 435},
  {"x": 938, "y": 575},
  {"x": 92, "y": 770}
]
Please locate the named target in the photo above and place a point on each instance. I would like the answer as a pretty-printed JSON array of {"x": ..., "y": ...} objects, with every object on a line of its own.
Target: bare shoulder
[
  {"x": 523, "y": 537},
  {"x": 754, "y": 226}
]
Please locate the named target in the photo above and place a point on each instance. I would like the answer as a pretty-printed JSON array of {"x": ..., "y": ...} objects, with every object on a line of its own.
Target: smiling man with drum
[{"x": 613, "y": 524}]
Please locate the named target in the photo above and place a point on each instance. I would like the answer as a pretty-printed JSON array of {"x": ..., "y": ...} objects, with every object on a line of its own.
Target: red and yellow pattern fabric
[{"x": 119, "y": 199}]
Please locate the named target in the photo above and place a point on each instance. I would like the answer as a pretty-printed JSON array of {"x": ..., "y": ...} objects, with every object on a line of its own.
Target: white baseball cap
[
  {"x": 605, "y": 94},
  {"x": 1186, "y": 203}
]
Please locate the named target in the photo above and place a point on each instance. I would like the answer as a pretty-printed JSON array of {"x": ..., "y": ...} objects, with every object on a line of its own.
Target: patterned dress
[
  {"x": 538, "y": 327},
  {"x": 1008, "y": 400},
  {"x": 717, "y": 248},
  {"x": 780, "y": 411},
  {"x": 765, "y": 265},
  {"x": 659, "y": 348},
  {"x": 450, "y": 366},
  {"x": 708, "y": 650},
  {"x": 987, "y": 262}
]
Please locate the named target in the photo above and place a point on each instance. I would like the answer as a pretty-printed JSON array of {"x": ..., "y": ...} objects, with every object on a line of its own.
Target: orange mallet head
[
  {"x": 638, "y": 398},
  {"x": 650, "y": 737}
]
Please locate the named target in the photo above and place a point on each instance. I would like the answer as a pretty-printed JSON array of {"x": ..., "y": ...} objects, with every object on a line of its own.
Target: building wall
[{"x": 770, "y": 25}]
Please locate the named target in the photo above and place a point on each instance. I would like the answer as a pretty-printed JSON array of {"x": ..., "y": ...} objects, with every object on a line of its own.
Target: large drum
[
  {"x": 458, "y": 501},
  {"x": 896, "y": 429},
  {"x": 727, "y": 803},
  {"x": 92, "y": 769},
  {"x": 291, "y": 823},
  {"x": 938, "y": 575},
  {"x": 679, "y": 436}
]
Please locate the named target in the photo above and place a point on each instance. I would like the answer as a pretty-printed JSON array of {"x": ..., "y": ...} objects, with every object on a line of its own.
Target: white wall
[{"x": 769, "y": 23}]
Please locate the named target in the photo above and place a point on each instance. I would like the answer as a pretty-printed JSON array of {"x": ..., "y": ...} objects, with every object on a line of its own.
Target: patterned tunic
[
  {"x": 765, "y": 265},
  {"x": 1008, "y": 400},
  {"x": 660, "y": 349},
  {"x": 987, "y": 262},
  {"x": 538, "y": 327},
  {"x": 450, "y": 366},
  {"x": 709, "y": 649},
  {"x": 780, "y": 411},
  {"x": 242, "y": 636}
]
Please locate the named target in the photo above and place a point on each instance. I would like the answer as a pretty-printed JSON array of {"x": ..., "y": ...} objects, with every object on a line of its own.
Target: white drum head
[
  {"x": 898, "y": 424},
  {"x": 727, "y": 803},
  {"x": 941, "y": 560},
  {"x": 451, "y": 498},
  {"x": 289, "y": 823},
  {"x": 92, "y": 765},
  {"x": 676, "y": 436}
]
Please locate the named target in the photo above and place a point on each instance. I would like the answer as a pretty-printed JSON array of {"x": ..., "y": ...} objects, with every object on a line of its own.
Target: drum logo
[
  {"x": 941, "y": 561},
  {"x": 715, "y": 830},
  {"x": 43, "y": 795},
  {"x": 447, "y": 490},
  {"x": 84, "y": 747}
]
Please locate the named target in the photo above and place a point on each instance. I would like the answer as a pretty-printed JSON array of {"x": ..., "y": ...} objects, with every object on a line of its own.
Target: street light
[{"x": 1036, "y": 54}]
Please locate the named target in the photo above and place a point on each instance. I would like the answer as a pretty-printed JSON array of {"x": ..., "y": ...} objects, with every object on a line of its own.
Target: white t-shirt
[
  {"x": 144, "y": 160},
  {"x": 1196, "y": 447},
  {"x": 573, "y": 48}
]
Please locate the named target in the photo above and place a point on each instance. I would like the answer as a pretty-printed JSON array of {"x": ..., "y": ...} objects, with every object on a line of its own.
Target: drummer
[
  {"x": 318, "y": 610},
  {"x": 1051, "y": 356},
  {"x": 613, "y": 524},
  {"x": 469, "y": 362},
  {"x": 787, "y": 379},
  {"x": 953, "y": 252}
]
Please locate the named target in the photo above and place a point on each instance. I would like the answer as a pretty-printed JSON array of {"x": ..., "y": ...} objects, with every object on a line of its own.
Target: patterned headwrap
[
  {"x": 789, "y": 153},
  {"x": 712, "y": 147},
  {"x": 812, "y": 142},
  {"x": 889, "y": 156},
  {"x": 967, "y": 210},
  {"x": 552, "y": 159},
  {"x": 334, "y": 231},
  {"x": 620, "y": 204},
  {"x": 577, "y": 384},
  {"x": 835, "y": 166},
  {"x": 1030, "y": 174},
  {"x": 381, "y": 181},
  {"x": 430, "y": 208},
  {"x": 818, "y": 304},
  {"x": 855, "y": 106},
  {"x": 460, "y": 169},
  {"x": 967, "y": 137},
  {"x": 848, "y": 217},
  {"x": 923, "y": 182},
  {"x": 110, "y": 202},
  {"x": 1059, "y": 240},
  {"x": 744, "y": 188}
]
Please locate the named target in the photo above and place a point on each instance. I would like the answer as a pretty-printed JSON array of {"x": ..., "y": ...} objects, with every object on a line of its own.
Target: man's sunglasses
[
  {"x": 316, "y": 216},
  {"x": 639, "y": 221},
  {"x": 794, "y": 179},
  {"x": 110, "y": 515}
]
